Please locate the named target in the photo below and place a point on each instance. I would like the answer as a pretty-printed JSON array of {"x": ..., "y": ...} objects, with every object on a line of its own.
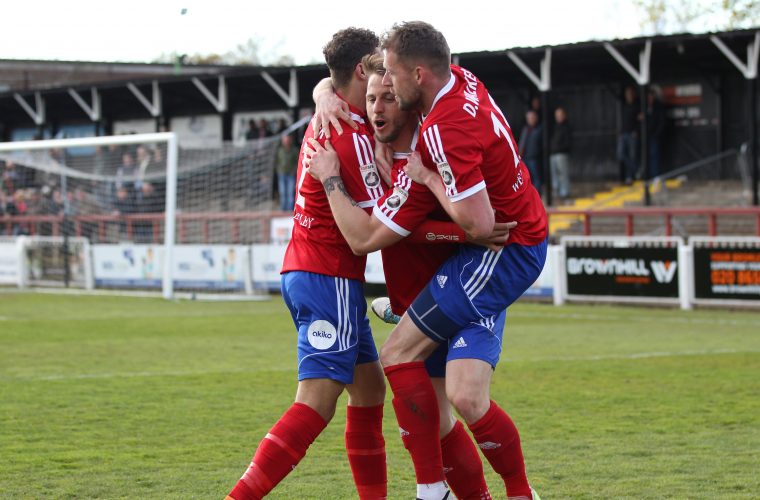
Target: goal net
[{"x": 155, "y": 215}]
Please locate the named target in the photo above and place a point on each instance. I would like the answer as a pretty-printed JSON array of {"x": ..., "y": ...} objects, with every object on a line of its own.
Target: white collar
[
  {"x": 399, "y": 155},
  {"x": 356, "y": 118}
]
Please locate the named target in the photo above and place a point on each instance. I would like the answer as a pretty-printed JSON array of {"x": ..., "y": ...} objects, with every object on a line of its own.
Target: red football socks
[
  {"x": 462, "y": 465},
  {"x": 499, "y": 440},
  {"x": 279, "y": 452},
  {"x": 417, "y": 413},
  {"x": 365, "y": 447}
]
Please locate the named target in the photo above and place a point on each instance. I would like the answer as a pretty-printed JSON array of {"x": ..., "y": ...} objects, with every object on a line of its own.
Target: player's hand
[
  {"x": 384, "y": 161},
  {"x": 416, "y": 171},
  {"x": 497, "y": 238},
  {"x": 331, "y": 110},
  {"x": 322, "y": 162}
]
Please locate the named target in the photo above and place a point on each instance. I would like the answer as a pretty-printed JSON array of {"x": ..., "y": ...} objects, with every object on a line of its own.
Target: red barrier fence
[
  {"x": 151, "y": 225},
  {"x": 711, "y": 214}
]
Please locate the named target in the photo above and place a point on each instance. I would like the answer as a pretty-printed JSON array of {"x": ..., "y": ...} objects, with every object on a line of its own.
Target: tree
[
  {"x": 252, "y": 52},
  {"x": 669, "y": 16}
]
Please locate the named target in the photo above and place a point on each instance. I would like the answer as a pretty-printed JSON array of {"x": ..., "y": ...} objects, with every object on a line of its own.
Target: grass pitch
[{"x": 112, "y": 397}]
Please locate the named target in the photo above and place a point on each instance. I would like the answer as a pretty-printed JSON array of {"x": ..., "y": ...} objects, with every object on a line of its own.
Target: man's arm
[
  {"x": 329, "y": 110},
  {"x": 474, "y": 214},
  {"x": 435, "y": 231},
  {"x": 363, "y": 232}
]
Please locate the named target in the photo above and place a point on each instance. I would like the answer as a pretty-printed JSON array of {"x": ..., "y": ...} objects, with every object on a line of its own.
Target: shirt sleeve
[
  {"x": 358, "y": 169},
  {"x": 437, "y": 231},
  {"x": 405, "y": 206},
  {"x": 457, "y": 156}
]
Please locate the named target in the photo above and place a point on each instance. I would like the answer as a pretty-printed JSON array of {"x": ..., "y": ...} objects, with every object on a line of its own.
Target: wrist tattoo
[{"x": 335, "y": 182}]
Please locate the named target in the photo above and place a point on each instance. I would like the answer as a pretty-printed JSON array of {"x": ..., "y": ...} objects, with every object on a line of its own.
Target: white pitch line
[{"x": 189, "y": 373}]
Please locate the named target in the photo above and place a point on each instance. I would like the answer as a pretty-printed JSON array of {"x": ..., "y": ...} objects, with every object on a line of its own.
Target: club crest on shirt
[
  {"x": 369, "y": 175},
  {"x": 446, "y": 174},
  {"x": 396, "y": 199}
]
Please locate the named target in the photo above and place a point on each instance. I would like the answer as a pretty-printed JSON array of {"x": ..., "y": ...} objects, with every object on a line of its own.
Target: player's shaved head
[
  {"x": 345, "y": 50},
  {"x": 419, "y": 42}
]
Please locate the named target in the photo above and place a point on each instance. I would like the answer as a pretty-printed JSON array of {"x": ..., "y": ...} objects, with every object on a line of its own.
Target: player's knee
[
  {"x": 371, "y": 393},
  {"x": 469, "y": 405},
  {"x": 326, "y": 409}
]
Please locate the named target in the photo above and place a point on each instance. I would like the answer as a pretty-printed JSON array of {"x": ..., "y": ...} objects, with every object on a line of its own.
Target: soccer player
[
  {"x": 322, "y": 287},
  {"x": 466, "y": 138},
  {"x": 395, "y": 225},
  {"x": 472, "y": 167}
]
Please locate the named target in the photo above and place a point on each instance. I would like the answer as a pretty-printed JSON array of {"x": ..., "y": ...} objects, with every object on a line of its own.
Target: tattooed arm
[
  {"x": 336, "y": 182},
  {"x": 363, "y": 232}
]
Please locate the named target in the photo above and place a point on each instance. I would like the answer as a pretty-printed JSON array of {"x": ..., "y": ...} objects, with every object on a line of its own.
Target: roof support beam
[
  {"x": 642, "y": 75},
  {"x": 153, "y": 106},
  {"x": 38, "y": 112},
  {"x": 219, "y": 101},
  {"x": 290, "y": 97},
  {"x": 749, "y": 70},
  {"x": 93, "y": 111},
  {"x": 544, "y": 83}
]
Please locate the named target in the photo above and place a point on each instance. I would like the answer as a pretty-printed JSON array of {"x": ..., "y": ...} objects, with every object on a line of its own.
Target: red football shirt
[
  {"x": 408, "y": 265},
  {"x": 316, "y": 244},
  {"x": 467, "y": 139}
]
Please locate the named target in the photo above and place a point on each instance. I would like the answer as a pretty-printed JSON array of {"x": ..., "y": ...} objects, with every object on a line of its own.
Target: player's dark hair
[
  {"x": 345, "y": 50},
  {"x": 373, "y": 63},
  {"x": 418, "y": 41}
]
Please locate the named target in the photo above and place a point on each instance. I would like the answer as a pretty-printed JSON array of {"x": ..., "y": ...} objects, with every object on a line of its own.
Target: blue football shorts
[
  {"x": 333, "y": 329},
  {"x": 481, "y": 340},
  {"x": 475, "y": 286}
]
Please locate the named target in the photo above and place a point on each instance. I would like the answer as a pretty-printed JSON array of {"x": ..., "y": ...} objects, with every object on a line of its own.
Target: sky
[{"x": 143, "y": 30}]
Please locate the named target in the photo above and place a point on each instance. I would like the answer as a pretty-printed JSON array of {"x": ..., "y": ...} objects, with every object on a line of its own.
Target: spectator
[
  {"x": 35, "y": 201},
  {"x": 124, "y": 205},
  {"x": 158, "y": 157},
  {"x": 561, "y": 143},
  {"x": 535, "y": 105},
  {"x": 10, "y": 177},
  {"x": 53, "y": 203},
  {"x": 15, "y": 206},
  {"x": 286, "y": 164},
  {"x": 252, "y": 132},
  {"x": 82, "y": 203},
  {"x": 531, "y": 147},
  {"x": 144, "y": 161},
  {"x": 263, "y": 129},
  {"x": 126, "y": 175},
  {"x": 282, "y": 124},
  {"x": 125, "y": 202},
  {"x": 3, "y": 201},
  {"x": 148, "y": 201},
  {"x": 655, "y": 130},
  {"x": 258, "y": 130},
  {"x": 628, "y": 141}
]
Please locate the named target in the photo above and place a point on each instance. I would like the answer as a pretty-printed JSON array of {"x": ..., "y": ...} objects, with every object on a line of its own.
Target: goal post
[
  {"x": 168, "y": 138},
  {"x": 157, "y": 214}
]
